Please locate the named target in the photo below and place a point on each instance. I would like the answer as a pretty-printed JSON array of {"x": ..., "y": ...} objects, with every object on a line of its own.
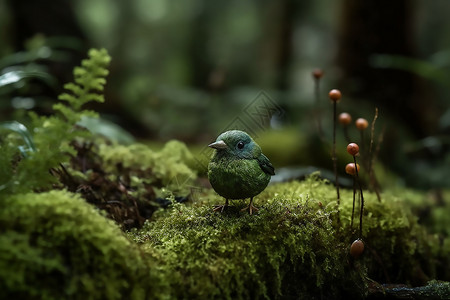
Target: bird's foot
[
  {"x": 250, "y": 208},
  {"x": 220, "y": 208}
]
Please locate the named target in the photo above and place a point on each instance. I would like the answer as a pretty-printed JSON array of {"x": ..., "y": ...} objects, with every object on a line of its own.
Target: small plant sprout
[
  {"x": 335, "y": 95},
  {"x": 351, "y": 170},
  {"x": 345, "y": 119},
  {"x": 317, "y": 75},
  {"x": 353, "y": 150}
]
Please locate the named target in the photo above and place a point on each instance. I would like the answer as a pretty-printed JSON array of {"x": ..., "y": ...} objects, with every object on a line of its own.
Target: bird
[{"x": 238, "y": 169}]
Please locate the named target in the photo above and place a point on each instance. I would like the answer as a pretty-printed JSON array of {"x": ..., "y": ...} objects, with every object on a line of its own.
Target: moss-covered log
[
  {"x": 296, "y": 247},
  {"x": 54, "y": 245}
]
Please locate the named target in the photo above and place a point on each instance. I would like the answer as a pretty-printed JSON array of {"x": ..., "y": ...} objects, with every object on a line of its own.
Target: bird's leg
[
  {"x": 250, "y": 207},
  {"x": 221, "y": 207}
]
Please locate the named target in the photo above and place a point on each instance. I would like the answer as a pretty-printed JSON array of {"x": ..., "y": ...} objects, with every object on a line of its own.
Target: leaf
[
  {"x": 24, "y": 133},
  {"x": 18, "y": 74},
  {"x": 89, "y": 80},
  {"x": 106, "y": 128}
]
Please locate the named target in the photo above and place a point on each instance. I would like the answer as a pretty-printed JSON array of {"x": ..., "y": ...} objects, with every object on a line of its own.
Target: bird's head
[{"x": 236, "y": 143}]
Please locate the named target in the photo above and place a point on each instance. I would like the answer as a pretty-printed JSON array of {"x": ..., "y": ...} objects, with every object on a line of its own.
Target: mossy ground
[
  {"x": 287, "y": 249},
  {"x": 296, "y": 246},
  {"x": 54, "y": 245}
]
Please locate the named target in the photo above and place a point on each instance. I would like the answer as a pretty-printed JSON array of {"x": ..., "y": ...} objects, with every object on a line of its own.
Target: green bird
[{"x": 238, "y": 169}]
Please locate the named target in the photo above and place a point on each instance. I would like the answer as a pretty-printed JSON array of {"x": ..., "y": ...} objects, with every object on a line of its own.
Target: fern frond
[
  {"x": 89, "y": 80},
  {"x": 49, "y": 142}
]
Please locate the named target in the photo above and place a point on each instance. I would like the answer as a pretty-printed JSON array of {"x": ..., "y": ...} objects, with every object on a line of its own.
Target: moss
[
  {"x": 434, "y": 289},
  {"x": 55, "y": 246},
  {"x": 289, "y": 249},
  {"x": 171, "y": 167},
  {"x": 295, "y": 247}
]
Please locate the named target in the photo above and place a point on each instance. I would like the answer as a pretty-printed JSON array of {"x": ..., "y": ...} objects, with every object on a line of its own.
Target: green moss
[
  {"x": 55, "y": 246},
  {"x": 289, "y": 249},
  {"x": 293, "y": 247},
  {"x": 169, "y": 168}
]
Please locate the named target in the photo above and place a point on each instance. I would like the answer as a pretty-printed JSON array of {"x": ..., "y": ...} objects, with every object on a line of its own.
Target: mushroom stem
[
  {"x": 334, "y": 153},
  {"x": 362, "y": 199},
  {"x": 354, "y": 198}
]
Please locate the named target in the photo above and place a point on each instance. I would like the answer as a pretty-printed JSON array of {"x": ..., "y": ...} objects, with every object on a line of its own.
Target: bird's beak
[{"x": 218, "y": 145}]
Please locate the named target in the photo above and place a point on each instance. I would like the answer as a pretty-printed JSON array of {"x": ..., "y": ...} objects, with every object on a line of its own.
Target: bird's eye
[{"x": 240, "y": 145}]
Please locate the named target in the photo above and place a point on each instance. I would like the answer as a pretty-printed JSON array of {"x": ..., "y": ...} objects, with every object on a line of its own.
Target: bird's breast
[{"x": 237, "y": 178}]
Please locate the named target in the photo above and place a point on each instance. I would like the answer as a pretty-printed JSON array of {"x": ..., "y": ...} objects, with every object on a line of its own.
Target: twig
[
  {"x": 372, "y": 130},
  {"x": 372, "y": 177}
]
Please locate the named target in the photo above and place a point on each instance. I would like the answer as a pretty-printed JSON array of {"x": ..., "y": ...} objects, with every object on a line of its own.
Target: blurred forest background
[{"x": 188, "y": 69}]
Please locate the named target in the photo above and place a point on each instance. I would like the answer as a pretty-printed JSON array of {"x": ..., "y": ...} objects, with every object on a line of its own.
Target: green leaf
[
  {"x": 89, "y": 80},
  {"x": 18, "y": 74},
  {"x": 106, "y": 128},
  {"x": 23, "y": 132}
]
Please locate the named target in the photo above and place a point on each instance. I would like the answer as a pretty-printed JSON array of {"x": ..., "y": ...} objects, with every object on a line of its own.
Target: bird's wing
[{"x": 265, "y": 164}]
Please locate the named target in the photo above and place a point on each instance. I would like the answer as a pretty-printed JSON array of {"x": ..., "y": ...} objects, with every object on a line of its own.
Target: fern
[
  {"x": 89, "y": 80},
  {"x": 51, "y": 136}
]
